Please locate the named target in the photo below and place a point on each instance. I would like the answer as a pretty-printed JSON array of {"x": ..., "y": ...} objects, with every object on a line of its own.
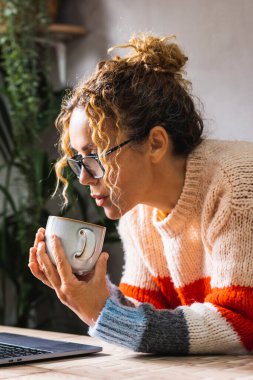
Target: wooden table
[{"x": 119, "y": 363}]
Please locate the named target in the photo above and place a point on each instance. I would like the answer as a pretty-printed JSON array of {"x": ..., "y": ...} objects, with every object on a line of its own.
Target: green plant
[{"x": 24, "y": 165}]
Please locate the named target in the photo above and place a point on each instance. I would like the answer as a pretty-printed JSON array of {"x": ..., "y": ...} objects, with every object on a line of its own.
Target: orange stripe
[
  {"x": 168, "y": 290},
  {"x": 144, "y": 295},
  {"x": 169, "y": 296},
  {"x": 235, "y": 303},
  {"x": 195, "y": 291}
]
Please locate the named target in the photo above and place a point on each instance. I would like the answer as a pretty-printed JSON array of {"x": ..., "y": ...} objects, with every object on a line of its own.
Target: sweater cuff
[
  {"x": 142, "y": 329},
  {"x": 118, "y": 324}
]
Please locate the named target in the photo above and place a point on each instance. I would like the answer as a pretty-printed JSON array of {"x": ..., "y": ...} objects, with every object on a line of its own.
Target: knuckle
[
  {"x": 61, "y": 294},
  {"x": 40, "y": 247},
  {"x": 46, "y": 270},
  {"x": 65, "y": 288},
  {"x": 59, "y": 261}
]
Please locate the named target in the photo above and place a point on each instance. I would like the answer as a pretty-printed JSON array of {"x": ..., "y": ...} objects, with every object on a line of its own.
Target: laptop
[{"x": 15, "y": 348}]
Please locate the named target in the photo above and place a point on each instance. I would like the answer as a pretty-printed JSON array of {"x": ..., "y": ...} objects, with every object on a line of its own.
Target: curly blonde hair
[{"x": 134, "y": 93}]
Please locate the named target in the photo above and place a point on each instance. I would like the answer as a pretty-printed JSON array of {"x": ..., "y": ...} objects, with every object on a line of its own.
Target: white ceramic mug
[{"x": 82, "y": 242}]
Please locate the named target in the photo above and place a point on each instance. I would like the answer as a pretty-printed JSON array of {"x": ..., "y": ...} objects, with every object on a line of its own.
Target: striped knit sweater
[{"x": 187, "y": 286}]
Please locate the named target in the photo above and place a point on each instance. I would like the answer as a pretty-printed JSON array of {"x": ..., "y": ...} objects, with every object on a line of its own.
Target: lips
[
  {"x": 100, "y": 199},
  {"x": 98, "y": 196}
]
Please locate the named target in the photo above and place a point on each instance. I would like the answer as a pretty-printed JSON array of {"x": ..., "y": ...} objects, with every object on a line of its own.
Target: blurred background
[{"x": 46, "y": 47}]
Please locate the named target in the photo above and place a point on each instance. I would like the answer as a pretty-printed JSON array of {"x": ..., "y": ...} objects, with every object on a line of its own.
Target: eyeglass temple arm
[{"x": 117, "y": 147}]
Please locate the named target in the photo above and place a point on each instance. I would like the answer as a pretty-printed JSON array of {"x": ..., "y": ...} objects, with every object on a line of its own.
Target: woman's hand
[{"x": 85, "y": 297}]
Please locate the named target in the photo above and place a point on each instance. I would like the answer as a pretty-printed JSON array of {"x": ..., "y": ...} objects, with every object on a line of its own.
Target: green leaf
[{"x": 9, "y": 198}]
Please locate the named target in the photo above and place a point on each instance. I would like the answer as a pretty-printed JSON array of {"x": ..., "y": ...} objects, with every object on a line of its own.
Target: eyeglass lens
[{"x": 90, "y": 164}]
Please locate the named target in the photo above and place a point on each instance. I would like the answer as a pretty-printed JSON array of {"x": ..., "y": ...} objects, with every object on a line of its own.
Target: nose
[{"x": 86, "y": 179}]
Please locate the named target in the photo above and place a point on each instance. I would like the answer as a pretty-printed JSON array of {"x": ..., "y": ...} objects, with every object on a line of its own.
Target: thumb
[{"x": 101, "y": 266}]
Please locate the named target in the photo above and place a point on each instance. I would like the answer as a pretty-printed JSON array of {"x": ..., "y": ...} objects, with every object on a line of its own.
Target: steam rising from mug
[{"x": 82, "y": 242}]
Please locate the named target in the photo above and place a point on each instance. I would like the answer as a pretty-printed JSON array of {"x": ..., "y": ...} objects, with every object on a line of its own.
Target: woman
[{"x": 185, "y": 208}]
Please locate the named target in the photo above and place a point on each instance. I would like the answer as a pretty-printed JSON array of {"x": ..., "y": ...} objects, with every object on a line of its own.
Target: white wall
[{"x": 216, "y": 35}]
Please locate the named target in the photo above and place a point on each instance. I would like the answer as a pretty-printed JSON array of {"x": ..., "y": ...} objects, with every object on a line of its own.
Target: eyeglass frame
[{"x": 96, "y": 157}]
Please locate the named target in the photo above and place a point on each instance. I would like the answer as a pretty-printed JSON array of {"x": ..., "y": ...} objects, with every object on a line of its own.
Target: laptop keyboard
[{"x": 10, "y": 351}]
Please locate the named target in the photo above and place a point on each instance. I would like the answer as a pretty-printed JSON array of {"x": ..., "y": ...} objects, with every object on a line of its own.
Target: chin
[{"x": 114, "y": 213}]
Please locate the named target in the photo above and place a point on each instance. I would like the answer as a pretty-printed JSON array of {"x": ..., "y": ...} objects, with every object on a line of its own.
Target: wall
[{"x": 216, "y": 35}]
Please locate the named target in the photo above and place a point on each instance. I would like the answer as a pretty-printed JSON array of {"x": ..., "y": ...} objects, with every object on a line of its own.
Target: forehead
[{"x": 79, "y": 129}]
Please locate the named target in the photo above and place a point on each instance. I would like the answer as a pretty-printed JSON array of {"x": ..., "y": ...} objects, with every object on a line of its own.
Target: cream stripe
[{"x": 209, "y": 332}]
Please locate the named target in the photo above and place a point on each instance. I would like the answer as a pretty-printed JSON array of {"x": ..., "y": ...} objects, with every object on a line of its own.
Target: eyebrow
[
  {"x": 88, "y": 146},
  {"x": 85, "y": 147}
]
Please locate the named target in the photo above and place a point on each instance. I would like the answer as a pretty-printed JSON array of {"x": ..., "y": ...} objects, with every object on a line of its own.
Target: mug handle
[{"x": 88, "y": 244}]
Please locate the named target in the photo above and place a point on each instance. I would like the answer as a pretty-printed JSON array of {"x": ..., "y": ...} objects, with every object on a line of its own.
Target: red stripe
[
  {"x": 195, "y": 291},
  {"x": 235, "y": 303},
  {"x": 154, "y": 297},
  {"x": 168, "y": 290},
  {"x": 169, "y": 296}
]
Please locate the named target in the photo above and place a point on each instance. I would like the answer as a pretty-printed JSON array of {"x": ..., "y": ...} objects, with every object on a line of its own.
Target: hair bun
[{"x": 159, "y": 54}]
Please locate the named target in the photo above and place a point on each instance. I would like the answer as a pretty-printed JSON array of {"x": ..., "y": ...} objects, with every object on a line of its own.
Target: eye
[
  {"x": 93, "y": 155},
  {"x": 77, "y": 157}
]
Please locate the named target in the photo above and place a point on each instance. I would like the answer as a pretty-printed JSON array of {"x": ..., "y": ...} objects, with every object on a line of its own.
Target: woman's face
[{"x": 132, "y": 175}]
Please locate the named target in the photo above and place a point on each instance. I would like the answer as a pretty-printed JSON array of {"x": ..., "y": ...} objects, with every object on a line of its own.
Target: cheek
[
  {"x": 127, "y": 187},
  {"x": 128, "y": 178},
  {"x": 118, "y": 177},
  {"x": 118, "y": 181}
]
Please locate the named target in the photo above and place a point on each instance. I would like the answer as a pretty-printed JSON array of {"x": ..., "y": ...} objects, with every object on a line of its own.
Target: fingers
[
  {"x": 62, "y": 264},
  {"x": 47, "y": 267},
  {"x": 42, "y": 267},
  {"x": 32, "y": 255},
  {"x": 39, "y": 274},
  {"x": 33, "y": 258},
  {"x": 101, "y": 266},
  {"x": 40, "y": 236},
  {"x": 35, "y": 268}
]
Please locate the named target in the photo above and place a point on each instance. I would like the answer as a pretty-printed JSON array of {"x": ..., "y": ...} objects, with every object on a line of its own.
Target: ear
[{"x": 159, "y": 143}]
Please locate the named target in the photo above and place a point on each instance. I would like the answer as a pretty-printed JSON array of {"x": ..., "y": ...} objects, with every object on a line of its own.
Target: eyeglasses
[{"x": 91, "y": 163}]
